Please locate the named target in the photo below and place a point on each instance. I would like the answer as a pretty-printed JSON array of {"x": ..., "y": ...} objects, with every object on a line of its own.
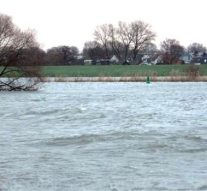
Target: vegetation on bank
[
  {"x": 123, "y": 70},
  {"x": 17, "y": 58}
]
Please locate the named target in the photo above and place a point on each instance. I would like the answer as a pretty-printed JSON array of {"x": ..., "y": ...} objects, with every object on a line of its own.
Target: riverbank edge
[{"x": 127, "y": 79}]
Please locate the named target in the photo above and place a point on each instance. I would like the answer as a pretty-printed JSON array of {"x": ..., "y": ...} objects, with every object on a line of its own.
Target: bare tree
[
  {"x": 13, "y": 43},
  {"x": 33, "y": 56},
  {"x": 125, "y": 36},
  {"x": 171, "y": 51},
  {"x": 102, "y": 36},
  {"x": 93, "y": 50},
  {"x": 126, "y": 40},
  {"x": 141, "y": 36},
  {"x": 196, "y": 48},
  {"x": 62, "y": 55},
  {"x": 115, "y": 42}
]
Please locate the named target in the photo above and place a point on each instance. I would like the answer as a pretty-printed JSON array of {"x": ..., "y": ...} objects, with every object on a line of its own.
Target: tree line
[{"x": 129, "y": 42}]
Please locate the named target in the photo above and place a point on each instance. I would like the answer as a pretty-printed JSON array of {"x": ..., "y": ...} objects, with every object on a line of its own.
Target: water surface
[{"x": 104, "y": 136}]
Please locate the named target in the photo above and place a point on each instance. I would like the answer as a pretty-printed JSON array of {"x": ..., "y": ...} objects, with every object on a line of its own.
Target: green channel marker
[{"x": 148, "y": 80}]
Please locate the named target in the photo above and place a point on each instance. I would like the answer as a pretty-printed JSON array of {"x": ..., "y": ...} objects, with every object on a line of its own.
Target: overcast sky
[{"x": 72, "y": 22}]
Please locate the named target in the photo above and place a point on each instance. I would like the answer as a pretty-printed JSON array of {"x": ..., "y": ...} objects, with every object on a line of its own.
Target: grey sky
[{"x": 72, "y": 22}]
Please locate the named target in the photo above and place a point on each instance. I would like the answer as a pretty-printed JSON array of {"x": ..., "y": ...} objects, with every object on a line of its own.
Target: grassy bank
[{"x": 120, "y": 70}]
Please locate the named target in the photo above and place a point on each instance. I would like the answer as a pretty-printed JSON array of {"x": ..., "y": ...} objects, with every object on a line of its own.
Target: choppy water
[{"x": 104, "y": 136}]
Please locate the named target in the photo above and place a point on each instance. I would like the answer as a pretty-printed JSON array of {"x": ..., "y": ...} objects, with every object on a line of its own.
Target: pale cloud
[{"x": 72, "y": 22}]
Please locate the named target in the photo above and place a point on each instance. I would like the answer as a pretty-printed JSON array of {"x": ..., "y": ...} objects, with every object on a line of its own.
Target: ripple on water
[{"x": 104, "y": 136}]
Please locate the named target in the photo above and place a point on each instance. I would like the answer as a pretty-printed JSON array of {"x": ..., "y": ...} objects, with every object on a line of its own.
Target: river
[{"x": 104, "y": 136}]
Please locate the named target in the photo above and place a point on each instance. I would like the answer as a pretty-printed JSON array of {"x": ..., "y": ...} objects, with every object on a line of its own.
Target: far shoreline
[{"x": 127, "y": 79}]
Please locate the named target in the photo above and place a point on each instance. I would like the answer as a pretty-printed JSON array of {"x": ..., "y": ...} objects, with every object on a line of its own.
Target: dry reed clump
[
  {"x": 137, "y": 79},
  {"x": 108, "y": 79},
  {"x": 192, "y": 72},
  {"x": 60, "y": 79},
  {"x": 154, "y": 77},
  {"x": 123, "y": 79}
]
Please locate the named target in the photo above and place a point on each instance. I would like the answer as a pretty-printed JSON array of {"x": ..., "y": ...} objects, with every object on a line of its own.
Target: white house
[{"x": 114, "y": 59}]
